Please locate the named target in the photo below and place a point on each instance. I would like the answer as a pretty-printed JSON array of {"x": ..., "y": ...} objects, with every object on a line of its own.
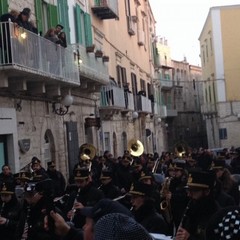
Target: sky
[{"x": 181, "y": 22}]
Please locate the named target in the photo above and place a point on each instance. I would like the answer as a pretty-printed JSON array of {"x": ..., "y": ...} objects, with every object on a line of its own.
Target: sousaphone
[
  {"x": 87, "y": 152},
  {"x": 135, "y": 147}
]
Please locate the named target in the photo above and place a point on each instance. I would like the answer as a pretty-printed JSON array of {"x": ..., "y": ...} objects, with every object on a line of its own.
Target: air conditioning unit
[
  {"x": 141, "y": 37},
  {"x": 132, "y": 25}
]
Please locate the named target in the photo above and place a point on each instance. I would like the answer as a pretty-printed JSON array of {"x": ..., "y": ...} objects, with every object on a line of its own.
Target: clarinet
[
  {"x": 2, "y": 208},
  {"x": 184, "y": 218},
  {"x": 73, "y": 208}
]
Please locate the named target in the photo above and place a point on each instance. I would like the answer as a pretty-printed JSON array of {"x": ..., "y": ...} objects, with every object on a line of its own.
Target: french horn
[{"x": 135, "y": 147}]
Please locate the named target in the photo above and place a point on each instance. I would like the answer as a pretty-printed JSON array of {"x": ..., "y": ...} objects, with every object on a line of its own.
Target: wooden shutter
[
  {"x": 88, "y": 30},
  {"x": 79, "y": 24},
  {"x": 3, "y": 6},
  {"x": 52, "y": 16},
  {"x": 38, "y": 11},
  {"x": 63, "y": 17}
]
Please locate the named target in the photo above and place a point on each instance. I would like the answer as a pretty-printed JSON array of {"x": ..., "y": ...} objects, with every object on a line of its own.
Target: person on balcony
[
  {"x": 5, "y": 43},
  {"x": 23, "y": 20}
]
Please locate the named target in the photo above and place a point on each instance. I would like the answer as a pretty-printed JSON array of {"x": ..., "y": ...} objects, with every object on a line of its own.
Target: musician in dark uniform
[
  {"x": 38, "y": 170},
  {"x": 38, "y": 200},
  {"x": 201, "y": 207},
  {"x": 123, "y": 175},
  {"x": 110, "y": 190},
  {"x": 143, "y": 209},
  {"x": 9, "y": 211},
  {"x": 178, "y": 196},
  {"x": 57, "y": 179},
  {"x": 84, "y": 195}
]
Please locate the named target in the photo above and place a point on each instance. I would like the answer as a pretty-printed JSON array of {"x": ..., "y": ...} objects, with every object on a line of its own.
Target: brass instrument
[
  {"x": 86, "y": 154},
  {"x": 135, "y": 147},
  {"x": 156, "y": 164},
  {"x": 165, "y": 205}
]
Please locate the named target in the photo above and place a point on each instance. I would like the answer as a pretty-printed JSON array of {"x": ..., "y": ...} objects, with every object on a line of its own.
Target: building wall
[{"x": 221, "y": 73}]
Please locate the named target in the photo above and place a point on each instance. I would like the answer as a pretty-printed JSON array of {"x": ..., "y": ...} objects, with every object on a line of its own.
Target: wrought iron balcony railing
[
  {"x": 28, "y": 54},
  {"x": 113, "y": 97},
  {"x": 91, "y": 67}
]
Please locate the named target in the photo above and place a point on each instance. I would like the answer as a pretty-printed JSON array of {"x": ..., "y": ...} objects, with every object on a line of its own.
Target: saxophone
[{"x": 165, "y": 204}]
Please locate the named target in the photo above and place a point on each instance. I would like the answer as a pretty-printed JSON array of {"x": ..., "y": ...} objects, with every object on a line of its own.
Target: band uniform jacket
[
  {"x": 88, "y": 196},
  {"x": 10, "y": 211}
]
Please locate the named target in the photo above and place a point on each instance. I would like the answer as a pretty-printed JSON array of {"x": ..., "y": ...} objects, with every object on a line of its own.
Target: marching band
[{"x": 173, "y": 196}]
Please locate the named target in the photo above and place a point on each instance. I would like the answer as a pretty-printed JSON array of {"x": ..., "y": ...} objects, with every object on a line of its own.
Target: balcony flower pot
[
  {"x": 98, "y": 53},
  {"x": 90, "y": 49},
  {"x": 105, "y": 58}
]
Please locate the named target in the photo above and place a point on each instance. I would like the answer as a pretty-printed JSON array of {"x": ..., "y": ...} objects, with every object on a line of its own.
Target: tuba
[
  {"x": 86, "y": 154},
  {"x": 165, "y": 205},
  {"x": 180, "y": 150},
  {"x": 135, "y": 147}
]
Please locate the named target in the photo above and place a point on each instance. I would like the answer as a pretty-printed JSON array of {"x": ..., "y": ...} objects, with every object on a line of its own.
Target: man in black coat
[
  {"x": 5, "y": 42},
  {"x": 9, "y": 211},
  {"x": 144, "y": 211},
  {"x": 85, "y": 195},
  {"x": 59, "y": 182},
  {"x": 201, "y": 208},
  {"x": 38, "y": 204}
]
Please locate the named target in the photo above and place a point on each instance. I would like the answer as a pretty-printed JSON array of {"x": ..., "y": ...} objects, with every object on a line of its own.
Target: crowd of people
[{"x": 194, "y": 196}]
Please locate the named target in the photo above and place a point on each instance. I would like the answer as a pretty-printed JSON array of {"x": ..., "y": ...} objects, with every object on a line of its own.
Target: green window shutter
[
  {"x": 3, "y": 6},
  {"x": 38, "y": 11},
  {"x": 52, "y": 15},
  {"x": 63, "y": 17},
  {"x": 78, "y": 24},
  {"x": 88, "y": 30}
]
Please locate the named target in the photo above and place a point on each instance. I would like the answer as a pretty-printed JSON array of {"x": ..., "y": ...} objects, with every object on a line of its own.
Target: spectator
[
  {"x": 50, "y": 35},
  {"x": 58, "y": 29},
  {"x": 5, "y": 43},
  {"x": 23, "y": 20},
  {"x": 62, "y": 39},
  {"x": 6, "y": 175}
]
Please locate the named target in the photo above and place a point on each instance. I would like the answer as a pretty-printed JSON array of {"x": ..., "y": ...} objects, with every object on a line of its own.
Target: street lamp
[{"x": 61, "y": 108}]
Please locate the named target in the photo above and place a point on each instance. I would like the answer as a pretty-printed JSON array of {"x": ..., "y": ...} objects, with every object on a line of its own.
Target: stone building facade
[
  {"x": 107, "y": 68},
  {"x": 220, "y": 69}
]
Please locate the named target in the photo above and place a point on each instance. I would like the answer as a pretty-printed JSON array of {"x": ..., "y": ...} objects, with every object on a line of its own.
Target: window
[
  {"x": 46, "y": 16},
  {"x": 222, "y": 133},
  {"x": 3, "y": 6},
  {"x": 121, "y": 76},
  {"x": 107, "y": 141},
  {"x": 83, "y": 27}
]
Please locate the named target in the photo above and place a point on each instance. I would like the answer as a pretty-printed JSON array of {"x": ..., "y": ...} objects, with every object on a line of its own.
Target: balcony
[
  {"x": 93, "y": 70},
  {"x": 172, "y": 112},
  {"x": 114, "y": 99},
  {"x": 144, "y": 105},
  {"x": 209, "y": 109},
  {"x": 166, "y": 83},
  {"x": 105, "y": 9},
  {"x": 157, "y": 109},
  {"x": 31, "y": 60}
]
